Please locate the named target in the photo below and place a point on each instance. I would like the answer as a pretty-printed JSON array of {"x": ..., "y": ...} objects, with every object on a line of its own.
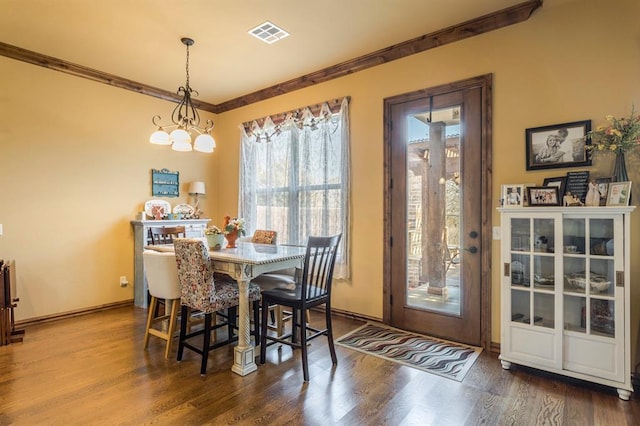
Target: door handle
[{"x": 472, "y": 249}]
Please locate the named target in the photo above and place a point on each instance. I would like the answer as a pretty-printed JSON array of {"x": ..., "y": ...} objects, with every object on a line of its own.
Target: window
[{"x": 294, "y": 178}]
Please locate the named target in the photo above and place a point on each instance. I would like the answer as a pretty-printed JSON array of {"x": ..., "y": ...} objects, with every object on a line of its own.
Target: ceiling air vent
[{"x": 268, "y": 32}]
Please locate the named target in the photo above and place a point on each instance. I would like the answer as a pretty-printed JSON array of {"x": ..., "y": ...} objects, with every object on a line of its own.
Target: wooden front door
[{"x": 436, "y": 207}]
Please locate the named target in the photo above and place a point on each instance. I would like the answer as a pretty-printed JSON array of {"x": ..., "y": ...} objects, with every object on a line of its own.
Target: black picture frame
[
  {"x": 558, "y": 145},
  {"x": 560, "y": 182},
  {"x": 543, "y": 196}
]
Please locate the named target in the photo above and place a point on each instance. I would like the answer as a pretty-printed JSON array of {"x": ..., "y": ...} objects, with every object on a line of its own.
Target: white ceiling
[{"x": 140, "y": 39}]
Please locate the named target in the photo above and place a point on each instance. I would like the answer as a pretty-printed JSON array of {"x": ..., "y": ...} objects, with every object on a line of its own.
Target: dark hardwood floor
[{"x": 92, "y": 369}]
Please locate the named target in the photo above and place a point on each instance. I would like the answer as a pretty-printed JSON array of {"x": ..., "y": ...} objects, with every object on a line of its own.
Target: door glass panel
[
  {"x": 574, "y": 273},
  {"x": 601, "y": 237},
  {"x": 574, "y": 313},
  {"x": 520, "y": 270},
  {"x": 520, "y": 235},
  {"x": 520, "y": 306},
  {"x": 543, "y": 235},
  {"x": 573, "y": 237},
  {"x": 602, "y": 317},
  {"x": 543, "y": 310},
  {"x": 543, "y": 272},
  {"x": 434, "y": 227},
  {"x": 601, "y": 277}
]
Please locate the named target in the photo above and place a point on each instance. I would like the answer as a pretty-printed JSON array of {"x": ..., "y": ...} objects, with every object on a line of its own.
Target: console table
[{"x": 194, "y": 228}]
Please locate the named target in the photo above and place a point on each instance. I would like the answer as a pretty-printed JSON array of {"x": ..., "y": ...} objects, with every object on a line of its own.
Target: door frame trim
[{"x": 485, "y": 83}]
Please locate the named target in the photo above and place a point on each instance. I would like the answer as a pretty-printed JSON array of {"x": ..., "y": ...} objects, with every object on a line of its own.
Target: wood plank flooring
[{"x": 92, "y": 370}]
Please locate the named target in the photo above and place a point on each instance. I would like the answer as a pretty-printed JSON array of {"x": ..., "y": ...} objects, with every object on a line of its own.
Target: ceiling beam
[
  {"x": 493, "y": 21},
  {"x": 56, "y": 64}
]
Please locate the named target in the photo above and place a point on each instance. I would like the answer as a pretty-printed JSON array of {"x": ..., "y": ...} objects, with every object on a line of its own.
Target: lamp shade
[
  {"x": 160, "y": 137},
  {"x": 196, "y": 188},
  {"x": 204, "y": 143}
]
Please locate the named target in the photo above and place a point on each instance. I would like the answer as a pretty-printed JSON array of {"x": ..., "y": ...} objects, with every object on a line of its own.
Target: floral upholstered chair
[
  {"x": 262, "y": 236},
  {"x": 199, "y": 291}
]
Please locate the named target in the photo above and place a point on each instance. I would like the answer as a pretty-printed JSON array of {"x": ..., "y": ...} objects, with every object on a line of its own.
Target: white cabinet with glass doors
[{"x": 565, "y": 292}]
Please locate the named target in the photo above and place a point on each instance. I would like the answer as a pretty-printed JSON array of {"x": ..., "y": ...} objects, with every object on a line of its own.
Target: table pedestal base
[{"x": 244, "y": 360}]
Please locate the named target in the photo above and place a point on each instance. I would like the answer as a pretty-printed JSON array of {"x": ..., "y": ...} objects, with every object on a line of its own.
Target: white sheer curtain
[{"x": 296, "y": 182}]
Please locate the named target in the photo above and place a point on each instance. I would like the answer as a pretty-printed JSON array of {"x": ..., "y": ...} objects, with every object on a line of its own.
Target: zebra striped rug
[{"x": 446, "y": 359}]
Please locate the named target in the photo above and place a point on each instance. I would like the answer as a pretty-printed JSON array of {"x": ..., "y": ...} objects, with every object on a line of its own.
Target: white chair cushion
[{"x": 162, "y": 274}]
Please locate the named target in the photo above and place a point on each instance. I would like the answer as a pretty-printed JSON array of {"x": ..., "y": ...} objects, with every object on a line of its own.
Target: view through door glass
[{"x": 433, "y": 210}]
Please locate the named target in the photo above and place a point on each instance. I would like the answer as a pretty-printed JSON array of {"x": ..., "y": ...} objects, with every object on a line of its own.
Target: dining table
[{"x": 243, "y": 263}]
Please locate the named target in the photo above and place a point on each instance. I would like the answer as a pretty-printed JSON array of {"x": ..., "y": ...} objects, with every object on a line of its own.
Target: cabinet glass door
[
  {"x": 589, "y": 276},
  {"x": 532, "y": 261}
]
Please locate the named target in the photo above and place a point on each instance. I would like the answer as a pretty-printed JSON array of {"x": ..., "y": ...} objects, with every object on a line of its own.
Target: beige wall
[
  {"x": 75, "y": 167},
  {"x": 572, "y": 60}
]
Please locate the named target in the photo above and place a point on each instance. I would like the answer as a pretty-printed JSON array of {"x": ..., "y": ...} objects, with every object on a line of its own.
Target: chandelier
[{"x": 186, "y": 121}]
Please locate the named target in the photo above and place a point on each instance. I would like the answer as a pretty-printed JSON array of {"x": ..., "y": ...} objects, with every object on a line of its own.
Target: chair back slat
[
  {"x": 165, "y": 235},
  {"x": 319, "y": 262}
]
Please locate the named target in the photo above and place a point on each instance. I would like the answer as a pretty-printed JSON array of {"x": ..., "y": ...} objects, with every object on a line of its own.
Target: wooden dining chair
[
  {"x": 165, "y": 234},
  {"x": 313, "y": 290},
  {"x": 285, "y": 277},
  {"x": 162, "y": 278},
  {"x": 199, "y": 291}
]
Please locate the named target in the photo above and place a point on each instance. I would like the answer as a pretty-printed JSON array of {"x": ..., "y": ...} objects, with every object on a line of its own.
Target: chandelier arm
[
  {"x": 153, "y": 120},
  {"x": 209, "y": 127}
]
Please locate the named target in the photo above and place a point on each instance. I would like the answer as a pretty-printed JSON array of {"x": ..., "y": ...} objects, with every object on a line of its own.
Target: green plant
[
  {"x": 618, "y": 135},
  {"x": 213, "y": 230},
  {"x": 234, "y": 224}
]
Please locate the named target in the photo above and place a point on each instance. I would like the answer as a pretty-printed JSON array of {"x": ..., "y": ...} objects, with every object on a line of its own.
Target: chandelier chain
[{"x": 187, "y": 67}]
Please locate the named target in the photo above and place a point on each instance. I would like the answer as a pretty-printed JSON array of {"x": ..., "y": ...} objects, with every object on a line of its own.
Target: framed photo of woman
[{"x": 559, "y": 145}]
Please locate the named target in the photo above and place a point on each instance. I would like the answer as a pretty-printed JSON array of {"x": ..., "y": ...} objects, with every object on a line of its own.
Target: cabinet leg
[
  {"x": 506, "y": 365},
  {"x": 624, "y": 394}
]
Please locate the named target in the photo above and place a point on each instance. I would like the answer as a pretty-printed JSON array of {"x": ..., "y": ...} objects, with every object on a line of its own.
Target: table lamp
[{"x": 196, "y": 189}]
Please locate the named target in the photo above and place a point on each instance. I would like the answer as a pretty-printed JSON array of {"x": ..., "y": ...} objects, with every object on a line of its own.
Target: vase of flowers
[
  {"x": 233, "y": 228},
  {"x": 618, "y": 136},
  {"x": 215, "y": 237}
]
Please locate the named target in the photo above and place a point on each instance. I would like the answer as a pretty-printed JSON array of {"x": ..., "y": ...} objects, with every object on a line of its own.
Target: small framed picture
[
  {"x": 619, "y": 193},
  {"x": 559, "y": 145},
  {"x": 513, "y": 195},
  {"x": 560, "y": 182},
  {"x": 603, "y": 188},
  {"x": 543, "y": 196}
]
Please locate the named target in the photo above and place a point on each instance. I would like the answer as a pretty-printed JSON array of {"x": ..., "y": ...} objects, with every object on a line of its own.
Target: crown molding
[{"x": 493, "y": 21}]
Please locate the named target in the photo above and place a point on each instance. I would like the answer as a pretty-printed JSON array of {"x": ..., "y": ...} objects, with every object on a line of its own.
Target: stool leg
[
  {"x": 279, "y": 320},
  {"x": 183, "y": 331},
  {"x": 303, "y": 345},
  {"x": 172, "y": 324},
  {"x": 206, "y": 344},
  {"x": 263, "y": 332},
  {"x": 150, "y": 316}
]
